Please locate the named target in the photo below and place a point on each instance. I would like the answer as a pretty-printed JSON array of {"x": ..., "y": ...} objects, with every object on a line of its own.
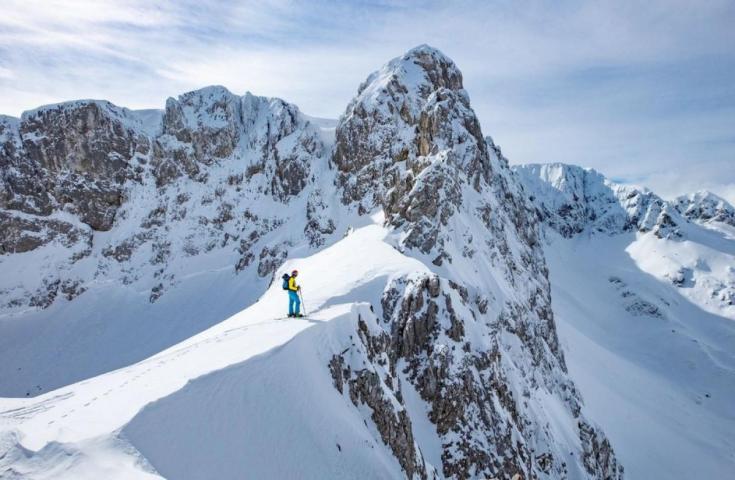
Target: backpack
[{"x": 286, "y": 277}]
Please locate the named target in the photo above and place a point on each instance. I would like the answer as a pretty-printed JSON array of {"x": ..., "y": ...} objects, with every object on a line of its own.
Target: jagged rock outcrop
[
  {"x": 23, "y": 234},
  {"x": 377, "y": 387},
  {"x": 399, "y": 132},
  {"x": 477, "y": 340},
  {"x": 181, "y": 183},
  {"x": 75, "y": 157},
  {"x": 572, "y": 200},
  {"x": 706, "y": 207},
  {"x": 208, "y": 125}
]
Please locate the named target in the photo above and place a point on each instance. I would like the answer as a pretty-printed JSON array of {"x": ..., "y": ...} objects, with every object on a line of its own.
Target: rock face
[
  {"x": 245, "y": 181},
  {"x": 476, "y": 340},
  {"x": 212, "y": 124},
  {"x": 74, "y": 157},
  {"x": 399, "y": 135},
  {"x": 182, "y": 183},
  {"x": 378, "y": 388},
  {"x": 572, "y": 200}
]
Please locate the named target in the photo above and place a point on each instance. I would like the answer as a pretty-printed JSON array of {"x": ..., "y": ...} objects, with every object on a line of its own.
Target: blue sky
[{"x": 642, "y": 91}]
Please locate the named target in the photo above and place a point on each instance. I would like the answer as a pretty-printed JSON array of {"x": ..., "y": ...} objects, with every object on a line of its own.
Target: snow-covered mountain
[
  {"x": 707, "y": 208},
  {"x": 572, "y": 200},
  {"x": 695, "y": 253},
  {"x": 215, "y": 184},
  {"x": 642, "y": 292},
  {"x": 139, "y": 309}
]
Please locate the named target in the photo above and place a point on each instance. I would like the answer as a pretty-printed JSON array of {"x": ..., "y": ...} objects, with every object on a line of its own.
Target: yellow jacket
[{"x": 292, "y": 284}]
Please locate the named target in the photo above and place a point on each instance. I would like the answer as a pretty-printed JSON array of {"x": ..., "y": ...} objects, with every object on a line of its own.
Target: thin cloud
[{"x": 636, "y": 90}]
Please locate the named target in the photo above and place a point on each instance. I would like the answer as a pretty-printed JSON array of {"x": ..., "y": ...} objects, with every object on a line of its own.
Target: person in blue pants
[{"x": 294, "y": 302}]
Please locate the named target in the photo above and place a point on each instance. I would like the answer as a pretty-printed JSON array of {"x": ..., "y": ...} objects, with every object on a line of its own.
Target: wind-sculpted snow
[{"x": 443, "y": 356}]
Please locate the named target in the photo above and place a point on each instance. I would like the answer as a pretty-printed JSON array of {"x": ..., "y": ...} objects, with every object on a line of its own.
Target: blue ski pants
[{"x": 294, "y": 303}]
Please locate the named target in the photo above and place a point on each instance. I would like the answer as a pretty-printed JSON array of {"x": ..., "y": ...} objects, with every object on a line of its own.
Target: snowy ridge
[{"x": 698, "y": 261}]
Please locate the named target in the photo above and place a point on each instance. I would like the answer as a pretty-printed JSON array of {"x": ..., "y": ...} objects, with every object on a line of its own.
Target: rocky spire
[
  {"x": 410, "y": 119},
  {"x": 477, "y": 338}
]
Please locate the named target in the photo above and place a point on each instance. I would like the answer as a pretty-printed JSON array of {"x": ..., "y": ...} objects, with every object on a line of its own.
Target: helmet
[{"x": 295, "y": 272}]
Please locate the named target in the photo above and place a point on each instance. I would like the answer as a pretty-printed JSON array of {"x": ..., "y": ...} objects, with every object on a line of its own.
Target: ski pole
[{"x": 303, "y": 305}]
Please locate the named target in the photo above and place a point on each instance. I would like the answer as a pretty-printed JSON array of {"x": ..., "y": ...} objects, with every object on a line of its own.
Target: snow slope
[
  {"x": 645, "y": 315},
  {"x": 84, "y": 419},
  {"x": 76, "y": 306},
  {"x": 654, "y": 368},
  {"x": 251, "y": 396}
]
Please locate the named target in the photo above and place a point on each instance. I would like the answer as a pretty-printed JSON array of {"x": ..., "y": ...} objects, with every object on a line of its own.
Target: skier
[{"x": 294, "y": 302}]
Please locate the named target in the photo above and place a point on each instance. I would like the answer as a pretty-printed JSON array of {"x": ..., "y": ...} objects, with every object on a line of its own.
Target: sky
[{"x": 642, "y": 91}]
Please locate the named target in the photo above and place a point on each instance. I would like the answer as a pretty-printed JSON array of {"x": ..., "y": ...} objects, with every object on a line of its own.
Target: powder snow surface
[
  {"x": 655, "y": 369},
  {"x": 138, "y": 420}
]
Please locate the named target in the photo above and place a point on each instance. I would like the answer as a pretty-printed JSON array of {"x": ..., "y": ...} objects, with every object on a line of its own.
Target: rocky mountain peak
[
  {"x": 74, "y": 156},
  {"x": 209, "y": 107},
  {"x": 88, "y": 137},
  {"x": 705, "y": 206},
  {"x": 406, "y": 135},
  {"x": 410, "y": 145},
  {"x": 417, "y": 74},
  {"x": 572, "y": 199}
]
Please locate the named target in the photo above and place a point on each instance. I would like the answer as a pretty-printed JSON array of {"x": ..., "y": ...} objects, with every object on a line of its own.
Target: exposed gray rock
[
  {"x": 599, "y": 458},
  {"x": 364, "y": 386},
  {"x": 209, "y": 125},
  {"x": 23, "y": 233},
  {"x": 82, "y": 151}
]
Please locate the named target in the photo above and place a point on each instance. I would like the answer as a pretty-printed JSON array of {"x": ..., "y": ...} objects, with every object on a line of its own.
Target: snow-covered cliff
[{"x": 476, "y": 339}]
